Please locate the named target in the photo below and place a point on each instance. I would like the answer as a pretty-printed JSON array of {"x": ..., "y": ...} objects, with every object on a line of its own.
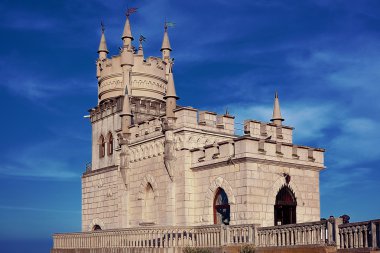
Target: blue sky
[{"x": 322, "y": 56}]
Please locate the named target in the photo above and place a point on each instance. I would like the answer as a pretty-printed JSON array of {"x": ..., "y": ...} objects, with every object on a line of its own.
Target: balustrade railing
[
  {"x": 158, "y": 237},
  {"x": 325, "y": 232},
  {"x": 360, "y": 235},
  {"x": 312, "y": 233}
]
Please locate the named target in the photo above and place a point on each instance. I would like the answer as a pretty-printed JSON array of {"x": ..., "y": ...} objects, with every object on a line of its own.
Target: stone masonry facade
[{"x": 156, "y": 163}]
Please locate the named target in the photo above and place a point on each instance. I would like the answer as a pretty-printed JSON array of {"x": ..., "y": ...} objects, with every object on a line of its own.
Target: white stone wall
[
  {"x": 101, "y": 200},
  {"x": 251, "y": 189},
  {"x": 251, "y": 177},
  {"x": 110, "y": 123}
]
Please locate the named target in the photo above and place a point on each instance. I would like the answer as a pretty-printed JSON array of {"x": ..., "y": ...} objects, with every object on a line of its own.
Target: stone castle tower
[{"x": 155, "y": 163}]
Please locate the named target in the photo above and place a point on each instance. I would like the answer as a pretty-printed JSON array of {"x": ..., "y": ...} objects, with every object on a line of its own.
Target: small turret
[
  {"x": 165, "y": 48},
  {"x": 127, "y": 51},
  {"x": 140, "y": 52},
  {"x": 126, "y": 115},
  {"x": 103, "y": 51},
  {"x": 171, "y": 96},
  {"x": 276, "y": 118}
]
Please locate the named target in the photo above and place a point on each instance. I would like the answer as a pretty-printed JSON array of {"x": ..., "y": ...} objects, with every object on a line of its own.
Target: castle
[
  {"x": 158, "y": 167},
  {"x": 157, "y": 163}
]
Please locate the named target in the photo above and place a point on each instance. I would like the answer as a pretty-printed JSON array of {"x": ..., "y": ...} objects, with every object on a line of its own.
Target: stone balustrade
[
  {"x": 360, "y": 235},
  {"x": 313, "y": 233},
  {"x": 159, "y": 237}
]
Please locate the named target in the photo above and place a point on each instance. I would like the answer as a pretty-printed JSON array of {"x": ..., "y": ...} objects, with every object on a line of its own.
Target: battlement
[
  {"x": 107, "y": 108},
  {"x": 204, "y": 120},
  {"x": 264, "y": 130},
  {"x": 259, "y": 149},
  {"x": 146, "y": 130}
]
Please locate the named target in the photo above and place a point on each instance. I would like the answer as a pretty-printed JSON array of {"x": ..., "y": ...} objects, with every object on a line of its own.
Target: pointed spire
[
  {"x": 127, "y": 30},
  {"x": 165, "y": 41},
  {"x": 141, "y": 50},
  {"x": 126, "y": 115},
  {"x": 276, "y": 118},
  {"x": 171, "y": 96},
  {"x": 170, "y": 90},
  {"x": 103, "y": 44}
]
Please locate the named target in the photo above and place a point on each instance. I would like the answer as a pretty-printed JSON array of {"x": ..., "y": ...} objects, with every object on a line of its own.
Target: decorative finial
[
  {"x": 227, "y": 112},
  {"x": 142, "y": 39},
  {"x": 171, "y": 63}
]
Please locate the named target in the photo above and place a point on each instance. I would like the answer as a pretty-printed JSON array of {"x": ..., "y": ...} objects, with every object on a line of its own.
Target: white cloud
[
  {"x": 310, "y": 121},
  {"x": 356, "y": 143}
]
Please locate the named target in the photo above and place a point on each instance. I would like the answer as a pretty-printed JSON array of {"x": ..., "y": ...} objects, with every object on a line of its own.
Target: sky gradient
[{"x": 323, "y": 57}]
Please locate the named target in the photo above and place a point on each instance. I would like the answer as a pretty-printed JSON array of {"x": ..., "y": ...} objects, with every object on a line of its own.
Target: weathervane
[
  {"x": 130, "y": 11},
  {"x": 102, "y": 26},
  {"x": 142, "y": 38},
  {"x": 168, "y": 24}
]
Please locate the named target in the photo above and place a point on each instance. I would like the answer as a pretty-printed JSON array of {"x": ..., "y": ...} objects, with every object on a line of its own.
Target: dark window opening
[
  {"x": 221, "y": 208},
  {"x": 110, "y": 144},
  {"x": 96, "y": 228},
  {"x": 102, "y": 147},
  {"x": 285, "y": 207}
]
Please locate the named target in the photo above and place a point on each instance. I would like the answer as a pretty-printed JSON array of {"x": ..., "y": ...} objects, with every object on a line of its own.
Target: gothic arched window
[
  {"x": 110, "y": 144},
  {"x": 221, "y": 208},
  {"x": 285, "y": 207},
  {"x": 102, "y": 147}
]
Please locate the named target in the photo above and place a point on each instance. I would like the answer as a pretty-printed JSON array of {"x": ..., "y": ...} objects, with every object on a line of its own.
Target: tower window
[
  {"x": 221, "y": 208},
  {"x": 110, "y": 144},
  {"x": 102, "y": 147}
]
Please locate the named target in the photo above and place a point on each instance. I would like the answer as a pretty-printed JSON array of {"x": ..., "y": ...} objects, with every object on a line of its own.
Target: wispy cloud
[
  {"x": 39, "y": 161},
  {"x": 34, "y": 209},
  {"x": 310, "y": 120}
]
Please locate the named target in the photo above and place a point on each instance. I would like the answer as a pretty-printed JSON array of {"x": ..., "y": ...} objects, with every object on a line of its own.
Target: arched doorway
[
  {"x": 96, "y": 228},
  {"x": 221, "y": 208},
  {"x": 285, "y": 207}
]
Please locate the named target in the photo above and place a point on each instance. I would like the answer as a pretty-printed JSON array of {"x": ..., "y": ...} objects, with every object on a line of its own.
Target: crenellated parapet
[
  {"x": 105, "y": 109},
  {"x": 204, "y": 120},
  {"x": 146, "y": 130},
  {"x": 270, "y": 131},
  {"x": 247, "y": 147}
]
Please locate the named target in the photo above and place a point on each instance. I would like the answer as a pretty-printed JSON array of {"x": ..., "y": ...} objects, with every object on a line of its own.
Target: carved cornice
[
  {"x": 227, "y": 160},
  {"x": 99, "y": 171}
]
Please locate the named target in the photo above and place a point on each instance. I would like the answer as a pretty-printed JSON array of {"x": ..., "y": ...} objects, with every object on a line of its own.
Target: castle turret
[
  {"x": 171, "y": 96},
  {"x": 103, "y": 51},
  {"x": 127, "y": 51},
  {"x": 276, "y": 118}
]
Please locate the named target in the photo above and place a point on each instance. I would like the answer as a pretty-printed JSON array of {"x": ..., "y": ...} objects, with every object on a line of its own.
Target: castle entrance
[
  {"x": 285, "y": 207},
  {"x": 221, "y": 208}
]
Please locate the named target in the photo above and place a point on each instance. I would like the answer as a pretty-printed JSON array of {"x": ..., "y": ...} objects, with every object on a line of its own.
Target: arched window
[
  {"x": 221, "y": 208},
  {"x": 110, "y": 144},
  {"x": 285, "y": 207},
  {"x": 149, "y": 210},
  {"x": 102, "y": 147},
  {"x": 96, "y": 227}
]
